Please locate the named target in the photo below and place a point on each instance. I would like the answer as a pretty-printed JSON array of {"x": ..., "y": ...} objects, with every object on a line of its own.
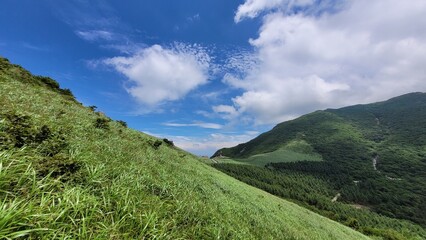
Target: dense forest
[{"x": 317, "y": 192}]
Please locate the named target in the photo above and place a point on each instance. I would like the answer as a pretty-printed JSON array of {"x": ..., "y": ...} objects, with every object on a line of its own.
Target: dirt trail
[
  {"x": 377, "y": 121},
  {"x": 394, "y": 179},
  {"x": 375, "y": 162},
  {"x": 336, "y": 197}
]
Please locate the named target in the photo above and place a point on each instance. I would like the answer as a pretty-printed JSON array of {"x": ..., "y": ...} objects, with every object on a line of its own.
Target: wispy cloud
[
  {"x": 94, "y": 35},
  {"x": 94, "y": 22},
  {"x": 195, "y": 17},
  {"x": 195, "y": 124},
  {"x": 34, "y": 47},
  {"x": 82, "y": 14},
  {"x": 187, "y": 23}
]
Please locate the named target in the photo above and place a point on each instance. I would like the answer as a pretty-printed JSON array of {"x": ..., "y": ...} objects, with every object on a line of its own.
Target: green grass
[
  {"x": 280, "y": 155},
  {"x": 227, "y": 160},
  {"x": 294, "y": 151},
  {"x": 86, "y": 180}
]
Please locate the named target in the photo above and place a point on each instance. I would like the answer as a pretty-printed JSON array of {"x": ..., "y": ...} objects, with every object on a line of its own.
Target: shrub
[
  {"x": 66, "y": 92},
  {"x": 43, "y": 134},
  {"x": 156, "y": 144},
  {"x": 59, "y": 165},
  {"x": 93, "y": 108},
  {"x": 54, "y": 85},
  {"x": 122, "y": 123},
  {"x": 4, "y": 63},
  {"x": 387, "y": 234},
  {"x": 49, "y": 82},
  {"x": 168, "y": 142},
  {"x": 6, "y": 142},
  {"x": 20, "y": 129},
  {"x": 352, "y": 222},
  {"x": 102, "y": 123},
  {"x": 53, "y": 145}
]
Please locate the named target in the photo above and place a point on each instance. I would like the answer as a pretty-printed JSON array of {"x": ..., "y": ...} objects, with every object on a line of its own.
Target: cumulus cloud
[
  {"x": 367, "y": 51},
  {"x": 226, "y": 111},
  {"x": 157, "y": 74},
  {"x": 195, "y": 124}
]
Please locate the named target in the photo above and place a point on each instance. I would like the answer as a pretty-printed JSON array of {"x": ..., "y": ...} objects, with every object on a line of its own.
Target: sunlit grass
[
  {"x": 126, "y": 189},
  {"x": 280, "y": 155}
]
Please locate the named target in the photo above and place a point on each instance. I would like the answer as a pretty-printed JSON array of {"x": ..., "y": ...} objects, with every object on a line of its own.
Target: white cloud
[
  {"x": 367, "y": 51},
  {"x": 34, "y": 47},
  {"x": 158, "y": 74},
  {"x": 95, "y": 35},
  {"x": 195, "y": 124},
  {"x": 225, "y": 111},
  {"x": 195, "y": 17},
  {"x": 238, "y": 62},
  {"x": 252, "y": 8},
  {"x": 209, "y": 144}
]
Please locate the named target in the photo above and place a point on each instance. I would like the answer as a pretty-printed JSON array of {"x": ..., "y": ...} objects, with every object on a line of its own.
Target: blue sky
[{"x": 215, "y": 73}]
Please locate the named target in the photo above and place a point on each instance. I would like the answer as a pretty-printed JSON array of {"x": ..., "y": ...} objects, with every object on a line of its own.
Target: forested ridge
[
  {"x": 374, "y": 157},
  {"x": 316, "y": 193}
]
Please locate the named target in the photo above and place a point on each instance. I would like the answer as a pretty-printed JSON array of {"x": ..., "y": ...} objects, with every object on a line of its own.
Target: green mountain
[
  {"x": 373, "y": 155},
  {"x": 67, "y": 171},
  {"x": 398, "y": 121}
]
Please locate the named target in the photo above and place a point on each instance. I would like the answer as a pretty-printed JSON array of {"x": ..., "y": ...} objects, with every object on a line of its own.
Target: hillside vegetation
[
  {"x": 293, "y": 151},
  {"x": 374, "y": 157},
  {"x": 67, "y": 171}
]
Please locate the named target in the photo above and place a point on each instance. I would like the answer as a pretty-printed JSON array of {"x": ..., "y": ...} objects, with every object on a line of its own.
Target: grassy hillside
[
  {"x": 374, "y": 155},
  {"x": 294, "y": 151},
  {"x": 69, "y": 172},
  {"x": 312, "y": 128}
]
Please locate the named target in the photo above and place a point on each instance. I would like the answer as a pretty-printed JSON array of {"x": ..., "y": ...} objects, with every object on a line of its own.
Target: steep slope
[
  {"x": 381, "y": 147},
  {"x": 69, "y": 172}
]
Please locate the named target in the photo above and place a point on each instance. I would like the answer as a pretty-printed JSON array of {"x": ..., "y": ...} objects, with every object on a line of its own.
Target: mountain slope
[
  {"x": 398, "y": 120},
  {"x": 381, "y": 147},
  {"x": 69, "y": 172}
]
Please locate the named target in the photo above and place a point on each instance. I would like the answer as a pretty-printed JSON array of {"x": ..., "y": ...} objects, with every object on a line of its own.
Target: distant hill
[
  {"x": 67, "y": 171},
  {"x": 373, "y": 154},
  {"x": 400, "y": 120}
]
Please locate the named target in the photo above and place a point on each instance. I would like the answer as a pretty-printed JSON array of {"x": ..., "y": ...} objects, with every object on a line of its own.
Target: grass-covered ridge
[
  {"x": 293, "y": 151},
  {"x": 69, "y": 172}
]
